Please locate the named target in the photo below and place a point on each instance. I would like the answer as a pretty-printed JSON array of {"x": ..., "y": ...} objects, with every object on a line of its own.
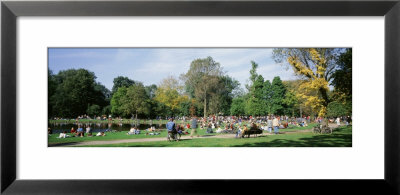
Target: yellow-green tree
[
  {"x": 315, "y": 66},
  {"x": 169, "y": 93}
]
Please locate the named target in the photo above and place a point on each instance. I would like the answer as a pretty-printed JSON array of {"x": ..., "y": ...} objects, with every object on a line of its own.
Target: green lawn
[
  {"x": 113, "y": 136},
  {"x": 341, "y": 137},
  {"x": 122, "y": 135},
  {"x": 116, "y": 121}
]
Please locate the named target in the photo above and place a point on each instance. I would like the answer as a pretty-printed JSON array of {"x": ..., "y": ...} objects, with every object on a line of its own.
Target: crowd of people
[
  {"x": 217, "y": 124},
  {"x": 79, "y": 132}
]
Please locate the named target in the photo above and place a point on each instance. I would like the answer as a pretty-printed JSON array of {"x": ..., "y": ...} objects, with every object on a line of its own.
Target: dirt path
[{"x": 164, "y": 138}]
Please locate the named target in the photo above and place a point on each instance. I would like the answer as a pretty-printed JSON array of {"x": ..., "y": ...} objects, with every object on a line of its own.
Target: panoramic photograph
[{"x": 199, "y": 97}]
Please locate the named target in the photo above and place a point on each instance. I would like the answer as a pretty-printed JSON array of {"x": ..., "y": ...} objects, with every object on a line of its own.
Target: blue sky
[{"x": 151, "y": 65}]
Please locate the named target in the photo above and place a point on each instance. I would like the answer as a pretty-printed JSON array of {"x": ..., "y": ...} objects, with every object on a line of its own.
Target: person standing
[
  {"x": 269, "y": 124},
  {"x": 275, "y": 123},
  {"x": 194, "y": 127}
]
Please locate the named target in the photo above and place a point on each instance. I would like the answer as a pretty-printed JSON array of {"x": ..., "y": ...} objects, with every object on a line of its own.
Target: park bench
[{"x": 254, "y": 132}]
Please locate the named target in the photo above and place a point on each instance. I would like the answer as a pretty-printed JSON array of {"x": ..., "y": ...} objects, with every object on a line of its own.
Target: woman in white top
[
  {"x": 338, "y": 121},
  {"x": 88, "y": 129}
]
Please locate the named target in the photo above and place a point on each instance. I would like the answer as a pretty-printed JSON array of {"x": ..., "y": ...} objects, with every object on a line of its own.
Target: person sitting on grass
[
  {"x": 131, "y": 131},
  {"x": 79, "y": 133},
  {"x": 209, "y": 128},
  {"x": 90, "y": 134},
  {"x": 88, "y": 129},
  {"x": 63, "y": 135},
  {"x": 180, "y": 129},
  {"x": 219, "y": 130},
  {"x": 100, "y": 134},
  {"x": 73, "y": 130},
  {"x": 137, "y": 131}
]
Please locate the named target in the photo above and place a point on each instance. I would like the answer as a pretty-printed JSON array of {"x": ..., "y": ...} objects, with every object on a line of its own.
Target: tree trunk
[
  {"x": 136, "y": 119},
  {"x": 301, "y": 113},
  {"x": 205, "y": 107}
]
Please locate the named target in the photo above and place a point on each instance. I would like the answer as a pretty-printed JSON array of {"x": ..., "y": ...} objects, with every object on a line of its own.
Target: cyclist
[{"x": 171, "y": 129}]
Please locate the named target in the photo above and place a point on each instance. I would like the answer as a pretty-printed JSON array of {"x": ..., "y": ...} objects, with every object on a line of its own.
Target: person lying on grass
[
  {"x": 100, "y": 134},
  {"x": 131, "y": 131},
  {"x": 152, "y": 133},
  {"x": 63, "y": 135}
]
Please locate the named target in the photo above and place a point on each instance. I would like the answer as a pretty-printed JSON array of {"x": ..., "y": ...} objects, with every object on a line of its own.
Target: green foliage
[
  {"x": 137, "y": 101},
  {"x": 151, "y": 90},
  {"x": 290, "y": 102},
  {"x": 342, "y": 80},
  {"x": 237, "y": 107},
  {"x": 130, "y": 101},
  {"x": 52, "y": 87},
  {"x": 117, "y": 101},
  {"x": 267, "y": 95},
  {"x": 256, "y": 101},
  {"x": 336, "y": 109},
  {"x": 278, "y": 91},
  {"x": 221, "y": 100},
  {"x": 93, "y": 110},
  {"x": 342, "y": 77},
  {"x": 121, "y": 82},
  {"x": 202, "y": 80},
  {"x": 72, "y": 91},
  {"x": 106, "y": 110}
]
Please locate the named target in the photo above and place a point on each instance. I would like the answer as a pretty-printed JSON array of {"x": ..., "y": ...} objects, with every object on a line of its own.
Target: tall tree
[
  {"x": 202, "y": 79},
  {"x": 221, "y": 101},
  {"x": 121, "y": 81},
  {"x": 136, "y": 101},
  {"x": 255, "y": 104},
  {"x": 278, "y": 91},
  {"x": 268, "y": 97},
  {"x": 52, "y": 87},
  {"x": 316, "y": 66},
  {"x": 290, "y": 101},
  {"x": 117, "y": 101},
  {"x": 75, "y": 91},
  {"x": 169, "y": 93},
  {"x": 342, "y": 80}
]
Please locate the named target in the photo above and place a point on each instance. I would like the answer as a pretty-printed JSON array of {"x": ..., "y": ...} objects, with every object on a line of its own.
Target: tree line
[{"x": 206, "y": 89}]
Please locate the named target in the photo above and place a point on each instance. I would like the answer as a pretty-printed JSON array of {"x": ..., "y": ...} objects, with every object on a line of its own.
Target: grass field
[
  {"x": 116, "y": 121},
  {"x": 341, "y": 137}
]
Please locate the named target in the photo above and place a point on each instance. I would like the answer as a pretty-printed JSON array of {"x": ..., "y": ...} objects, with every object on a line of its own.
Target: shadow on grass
[
  {"x": 62, "y": 144},
  {"x": 207, "y": 135},
  {"x": 337, "y": 139}
]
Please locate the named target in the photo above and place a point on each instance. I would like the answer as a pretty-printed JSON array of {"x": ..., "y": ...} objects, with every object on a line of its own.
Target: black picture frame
[{"x": 11, "y": 10}]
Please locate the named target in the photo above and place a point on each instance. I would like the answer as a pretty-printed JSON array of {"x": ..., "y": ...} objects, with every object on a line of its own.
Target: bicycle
[
  {"x": 173, "y": 136},
  {"x": 316, "y": 129}
]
